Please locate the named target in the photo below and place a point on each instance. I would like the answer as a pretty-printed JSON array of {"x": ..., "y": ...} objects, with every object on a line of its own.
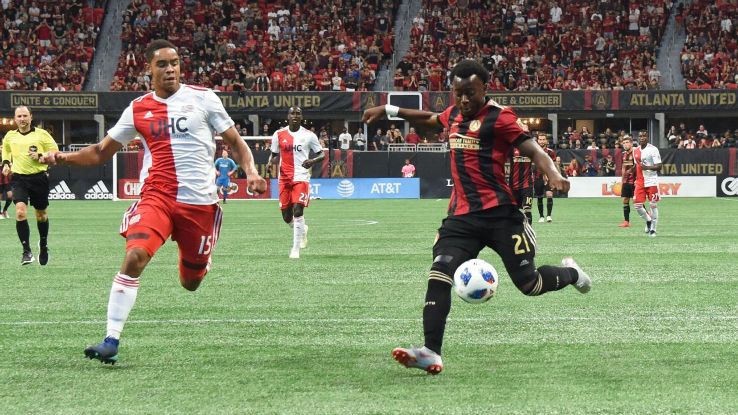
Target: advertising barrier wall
[
  {"x": 727, "y": 186},
  {"x": 669, "y": 186},
  {"x": 392, "y": 188},
  {"x": 131, "y": 189}
]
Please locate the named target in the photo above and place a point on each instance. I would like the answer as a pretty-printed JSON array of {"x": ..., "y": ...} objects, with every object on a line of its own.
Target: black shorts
[
  {"x": 524, "y": 197},
  {"x": 31, "y": 186},
  {"x": 628, "y": 190},
  {"x": 504, "y": 229},
  {"x": 540, "y": 188}
]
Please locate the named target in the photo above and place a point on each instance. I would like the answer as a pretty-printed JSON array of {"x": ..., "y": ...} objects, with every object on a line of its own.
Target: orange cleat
[{"x": 625, "y": 224}]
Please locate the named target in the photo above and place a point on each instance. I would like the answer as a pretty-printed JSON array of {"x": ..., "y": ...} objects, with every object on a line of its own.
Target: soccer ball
[{"x": 475, "y": 281}]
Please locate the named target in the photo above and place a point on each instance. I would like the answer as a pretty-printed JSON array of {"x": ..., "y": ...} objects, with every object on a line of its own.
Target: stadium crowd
[
  {"x": 710, "y": 54},
  {"x": 539, "y": 45},
  {"x": 235, "y": 45},
  {"x": 47, "y": 45}
]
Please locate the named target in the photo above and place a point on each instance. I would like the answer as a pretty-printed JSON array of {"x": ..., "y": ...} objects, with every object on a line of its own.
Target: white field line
[{"x": 371, "y": 320}]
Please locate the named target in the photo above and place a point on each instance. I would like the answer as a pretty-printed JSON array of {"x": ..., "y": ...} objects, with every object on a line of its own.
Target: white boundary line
[{"x": 367, "y": 320}]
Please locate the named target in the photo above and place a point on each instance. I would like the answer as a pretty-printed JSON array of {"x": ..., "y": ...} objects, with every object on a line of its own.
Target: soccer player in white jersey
[
  {"x": 176, "y": 123},
  {"x": 291, "y": 146},
  {"x": 647, "y": 160}
]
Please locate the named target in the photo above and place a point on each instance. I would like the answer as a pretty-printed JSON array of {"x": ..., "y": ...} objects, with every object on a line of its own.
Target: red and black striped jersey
[
  {"x": 552, "y": 154},
  {"x": 479, "y": 147},
  {"x": 521, "y": 171},
  {"x": 628, "y": 167}
]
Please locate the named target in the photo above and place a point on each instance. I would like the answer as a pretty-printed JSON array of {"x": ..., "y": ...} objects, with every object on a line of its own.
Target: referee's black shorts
[
  {"x": 504, "y": 229},
  {"x": 33, "y": 187}
]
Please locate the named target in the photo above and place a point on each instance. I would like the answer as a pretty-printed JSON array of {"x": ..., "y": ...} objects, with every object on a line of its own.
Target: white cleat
[
  {"x": 584, "y": 283},
  {"x": 548, "y": 219},
  {"x": 419, "y": 358},
  {"x": 652, "y": 234},
  {"x": 304, "y": 240},
  {"x": 541, "y": 220},
  {"x": 295, "y": 253}
]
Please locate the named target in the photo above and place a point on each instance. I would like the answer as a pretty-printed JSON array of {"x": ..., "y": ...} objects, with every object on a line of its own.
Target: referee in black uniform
[{"x": 22, "y": 149}]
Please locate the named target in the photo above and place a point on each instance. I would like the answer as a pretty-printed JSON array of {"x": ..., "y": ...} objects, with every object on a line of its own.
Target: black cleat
[
  {"x": 43, "y": 255},
  {"x": 27, "y": 258},
  {"x": 106, "y": 352}
]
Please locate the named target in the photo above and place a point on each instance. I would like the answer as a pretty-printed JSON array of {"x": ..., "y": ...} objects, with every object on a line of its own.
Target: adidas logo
[
  {"x": 98, "y": 192},
  {"x": 61, "y": 192},
  {"x": 148, "y": 114}
]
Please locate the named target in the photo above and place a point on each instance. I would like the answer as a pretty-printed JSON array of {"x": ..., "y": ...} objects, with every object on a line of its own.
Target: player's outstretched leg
[
  {"x": 419, "y": 358},
  {"x": 106, "y": 351},
  {"x": 583, "y": 283}
]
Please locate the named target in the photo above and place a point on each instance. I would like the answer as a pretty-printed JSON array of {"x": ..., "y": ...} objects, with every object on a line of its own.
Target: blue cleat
[
  {"x": 419, "y": 358},
  {"x": 106, "y": 352}
]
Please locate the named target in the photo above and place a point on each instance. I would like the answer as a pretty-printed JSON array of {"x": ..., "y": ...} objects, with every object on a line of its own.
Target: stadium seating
[
  {"x": 581, "y": 44},
  {"x": 709, "y": 59},
  {"x": 260, "y": 45},
  {"x": 48, "y": 45}
]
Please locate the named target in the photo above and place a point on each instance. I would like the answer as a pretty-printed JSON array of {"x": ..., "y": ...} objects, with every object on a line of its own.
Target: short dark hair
[
  {"x": 155, "y": 45},
  {"x": 469, "y": 67}
]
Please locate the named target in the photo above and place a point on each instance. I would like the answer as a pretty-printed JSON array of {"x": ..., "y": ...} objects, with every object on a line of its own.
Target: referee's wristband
[
  {"x": 6, "y": 163},
  {"x": 391, "y": 110}
]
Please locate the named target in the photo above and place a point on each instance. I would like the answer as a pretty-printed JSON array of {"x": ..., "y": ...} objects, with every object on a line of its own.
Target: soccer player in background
[
  {"x": 482, "y": 211},
  {"x": 22, "y": 156},
  {"x": 224, "y": 169},
  {"x": 408, "y": 170},
  {"x": 291, "y": 148},
  {"x": 521, "y": 182},
  {"x": 6, "y": 193},
  {"x": 647, "y": 160},
  {"x": 540, "y": 185},
  {"x": 178, "y": 195},
  {"x": 628, "y": 179}
]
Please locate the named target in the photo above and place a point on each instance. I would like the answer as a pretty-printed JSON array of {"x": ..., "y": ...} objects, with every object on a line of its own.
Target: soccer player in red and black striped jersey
[
  {"x": 628, "y": 179},
  {"x": 521, "y": 181},
  {"x": 541, "y": 185},
  {"x": 482, "y": 211}
]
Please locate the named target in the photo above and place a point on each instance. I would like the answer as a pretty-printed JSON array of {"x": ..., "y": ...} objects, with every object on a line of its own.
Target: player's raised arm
[
  {"x": 545, "y": 164},
  {"x": 89, "y": 156},
  {"x": 242, "y": 154},
  {"x": 425, "y": 119}
]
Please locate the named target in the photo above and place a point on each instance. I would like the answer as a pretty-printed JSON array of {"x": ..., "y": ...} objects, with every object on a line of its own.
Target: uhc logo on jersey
[{"x": 158, "y": 127}]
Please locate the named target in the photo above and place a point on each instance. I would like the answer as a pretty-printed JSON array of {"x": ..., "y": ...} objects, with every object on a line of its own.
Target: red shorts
[
  {"x": 150, "y": 221},
  {"x": 650, "y": 193},
  {"x": 291, "y": 193}
]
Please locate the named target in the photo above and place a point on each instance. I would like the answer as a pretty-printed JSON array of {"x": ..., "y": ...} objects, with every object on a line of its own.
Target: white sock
[
  {"x": 654, "y": 216},
  {"x": 122, "y": 297},
  {"x": 642, "y": 212},
  {"x": 298, "y": 231}
]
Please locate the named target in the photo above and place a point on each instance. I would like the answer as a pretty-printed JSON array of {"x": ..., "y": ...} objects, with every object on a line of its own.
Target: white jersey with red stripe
[
  {"x": 648, "y": 156},
  {"x": 179, "y": 143},
  {"x": 293, "y": 149}
]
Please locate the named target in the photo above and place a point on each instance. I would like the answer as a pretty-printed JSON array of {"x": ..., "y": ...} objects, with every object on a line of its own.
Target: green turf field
[{"x": 658, "y": 333}]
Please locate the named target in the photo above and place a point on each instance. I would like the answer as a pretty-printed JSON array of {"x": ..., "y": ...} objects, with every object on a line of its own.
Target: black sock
[
  {"x": 7, "y": 205},
  {"x": 436, "y": 309},
  {"x": 43, "y": 231},
  {"x": 24, "y": 232},
  {"x": 626, "y": 212},
  {"x": 648, "y": 224},
  {"x": 556, "y": 278},
  {"x": 549, "y": 206},
  {"x": 540, "y": 206}
]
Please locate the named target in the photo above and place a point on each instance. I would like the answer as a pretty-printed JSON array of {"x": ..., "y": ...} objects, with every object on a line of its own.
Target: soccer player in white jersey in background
[
  {"x": 291, "y": 146},
  {"x": 647, "y": 160},
  {"x": 176, "y": 123}
]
